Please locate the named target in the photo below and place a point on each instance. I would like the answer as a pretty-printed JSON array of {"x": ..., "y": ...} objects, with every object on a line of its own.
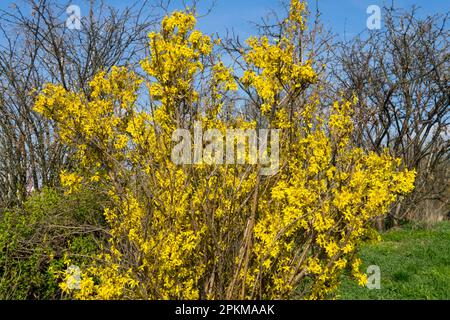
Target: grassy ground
[{"x": 414, "y": 263}]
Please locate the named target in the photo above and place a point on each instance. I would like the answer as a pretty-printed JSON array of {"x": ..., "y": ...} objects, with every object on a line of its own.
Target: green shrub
[{"x": 35, "y": 239}]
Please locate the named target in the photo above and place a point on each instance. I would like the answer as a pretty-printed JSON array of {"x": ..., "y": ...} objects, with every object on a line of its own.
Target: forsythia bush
[{"x": 220, "y": 231}]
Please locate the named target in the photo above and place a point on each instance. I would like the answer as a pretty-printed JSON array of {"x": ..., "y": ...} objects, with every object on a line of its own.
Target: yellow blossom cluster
[
  {"x": 271, "y": 68},
  {"x": 175, "y": 60}
]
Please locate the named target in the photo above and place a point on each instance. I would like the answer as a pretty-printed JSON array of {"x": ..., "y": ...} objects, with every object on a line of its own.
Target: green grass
[{"x": 414, "y": 263}]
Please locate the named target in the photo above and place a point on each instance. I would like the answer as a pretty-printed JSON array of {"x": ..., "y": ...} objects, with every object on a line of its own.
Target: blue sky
[{"x": 343, "y": 17}]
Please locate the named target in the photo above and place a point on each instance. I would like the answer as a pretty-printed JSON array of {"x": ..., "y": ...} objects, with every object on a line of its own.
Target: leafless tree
[
  {"x": 37, "y": 47},
  {"x": 401, "y": 76}
]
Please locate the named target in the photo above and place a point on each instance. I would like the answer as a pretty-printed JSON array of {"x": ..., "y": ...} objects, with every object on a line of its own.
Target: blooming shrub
[{"x": 220, "y": 231}]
